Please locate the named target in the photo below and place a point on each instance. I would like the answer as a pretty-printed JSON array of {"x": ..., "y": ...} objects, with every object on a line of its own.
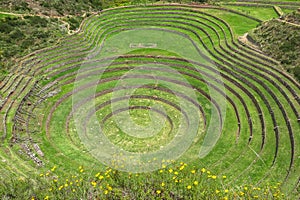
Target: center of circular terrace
[{"x": 140, "y": 121}]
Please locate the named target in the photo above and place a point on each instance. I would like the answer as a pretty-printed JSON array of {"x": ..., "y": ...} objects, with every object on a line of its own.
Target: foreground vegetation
[{"x": 172, "y": 181}]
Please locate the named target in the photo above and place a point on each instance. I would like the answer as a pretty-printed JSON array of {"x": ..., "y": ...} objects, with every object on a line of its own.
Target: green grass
[
  {"x": 231, "y": 156},
  {"x": 287, "y": 10},
  {"x": 265, "y": 0},
  {"x": 2, "y": 15},
  {"x": 169, "y": 42},
  {"x": 239, "y": 24},
  {"x": 257, "y": 12},
  {"x": 178, "y": 180}
]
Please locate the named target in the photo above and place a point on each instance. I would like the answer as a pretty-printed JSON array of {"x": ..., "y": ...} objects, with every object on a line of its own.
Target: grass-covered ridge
[
  {"x": 280, "y": 38},
  {"x": 177, "y": 69}
]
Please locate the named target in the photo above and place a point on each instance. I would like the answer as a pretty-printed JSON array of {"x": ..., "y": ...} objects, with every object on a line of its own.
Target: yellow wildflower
[
  {"x": 213, "y": 177},
  {"x": 181, "y": 168},
  {"x": 106, "y": 192},
  {"x": 109, "y": 187},
  {"x": 196, "y": 182},
  {"x": 217, "y": 191},
  {"x": 193, "y": 171},
  {"x": 93, "y": 183},
  {"x": 163, "y": 184},
  {"x": 242, "y": 193},
  {"x": 171, "y": 170},
  {"x": 176, "y": 173},
  {"x": 46, "y": 198},
  {"x": 189, "y": 187},
  {"x": 203, "y": 170},
  {"x": 158, "y": 191},
  {"x": 226, "y": 191},
  {"x": 224, "y": 177},
  {"x": 53, "y": 168}
]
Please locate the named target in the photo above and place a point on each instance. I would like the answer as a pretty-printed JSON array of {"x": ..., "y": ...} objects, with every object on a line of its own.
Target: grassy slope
[
  {"x": 259, "y": 12},
  {"x": 33, "y": 36},
  {"x": 22, "y": 35},
  {"x": 239, "y": 24},
  {"x": 233, "y": 21},
  {"x": 281, "y": 41}
]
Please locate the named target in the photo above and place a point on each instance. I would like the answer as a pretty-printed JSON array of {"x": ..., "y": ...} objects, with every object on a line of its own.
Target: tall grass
[{"x": 175, "y": 180}]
